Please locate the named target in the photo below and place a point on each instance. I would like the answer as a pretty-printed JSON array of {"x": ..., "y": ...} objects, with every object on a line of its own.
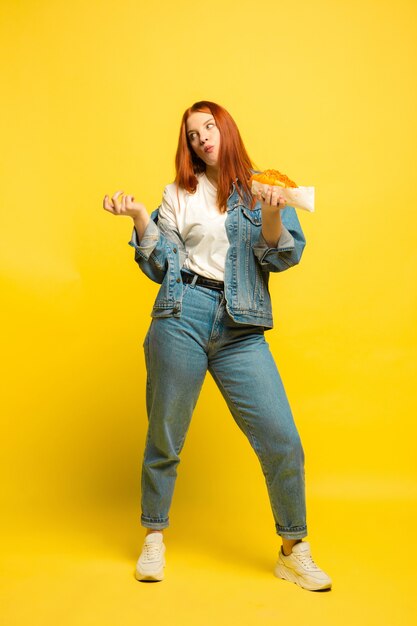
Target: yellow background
[{"x": 93, "y": 93}]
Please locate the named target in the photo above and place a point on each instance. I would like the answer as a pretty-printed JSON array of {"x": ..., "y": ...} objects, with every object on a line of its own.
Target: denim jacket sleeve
[
  {"x": 290, "y": 245},
  {"x": 159, "y": 239}
]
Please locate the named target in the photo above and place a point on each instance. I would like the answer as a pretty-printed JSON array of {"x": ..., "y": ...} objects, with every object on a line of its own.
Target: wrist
[
  {"x": 273, "y": 210},
  {"x": 140, "y": 215}
]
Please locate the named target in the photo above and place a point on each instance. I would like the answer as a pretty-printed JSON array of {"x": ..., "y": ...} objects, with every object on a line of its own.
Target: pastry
[
  {"x": 273, "y": 178},
  {"x": 295, "y": 196}
]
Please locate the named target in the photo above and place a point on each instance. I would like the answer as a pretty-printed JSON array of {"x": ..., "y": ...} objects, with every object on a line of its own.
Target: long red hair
[{"x": 234, "y": 162}]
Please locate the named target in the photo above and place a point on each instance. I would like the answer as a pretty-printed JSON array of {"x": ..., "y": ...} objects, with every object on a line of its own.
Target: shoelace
[
  {"x": 151, "y": 551},
  {"x": 307, "y": 561}
]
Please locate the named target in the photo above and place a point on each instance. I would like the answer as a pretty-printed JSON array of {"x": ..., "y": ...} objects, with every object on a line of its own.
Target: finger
[
  {"x": 268, "y": 196},
  {"x": 274, "y": 196},
  {"x": 129, "y": 201},
  {"x": 116, "y": 201},
  {"x": 123, "y": 209},
  {"x": 107, "y": 205},
  {"x": 108, "y": 200}
]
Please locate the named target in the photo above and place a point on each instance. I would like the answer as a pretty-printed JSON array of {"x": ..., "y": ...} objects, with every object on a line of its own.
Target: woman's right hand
[{"x": 124, "y": 206}]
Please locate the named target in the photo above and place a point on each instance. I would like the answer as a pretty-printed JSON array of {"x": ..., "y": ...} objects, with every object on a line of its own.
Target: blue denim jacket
[{"x": 249, "y": 260}]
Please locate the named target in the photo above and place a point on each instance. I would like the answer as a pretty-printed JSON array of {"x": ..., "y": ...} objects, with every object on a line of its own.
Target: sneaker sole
[
  {"x": 149, "y": 576},
  {"x": 285, "y": 574}
]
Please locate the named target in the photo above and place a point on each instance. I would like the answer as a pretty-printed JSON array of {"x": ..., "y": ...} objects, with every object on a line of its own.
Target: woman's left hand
[{"x": 272, "y": 197}]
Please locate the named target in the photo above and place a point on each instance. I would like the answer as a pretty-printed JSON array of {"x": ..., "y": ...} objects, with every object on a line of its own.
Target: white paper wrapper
[{"x": 297, "y": 197}]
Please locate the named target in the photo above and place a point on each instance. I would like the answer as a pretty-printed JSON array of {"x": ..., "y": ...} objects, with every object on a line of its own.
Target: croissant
[
  {"x": 294, "y": 195},
  {"x": 274, "y": 178}
]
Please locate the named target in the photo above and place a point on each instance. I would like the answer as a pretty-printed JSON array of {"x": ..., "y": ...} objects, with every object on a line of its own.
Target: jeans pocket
[
  {"x": 146, "y": 338},
  {"x": 185, "y": 288}
]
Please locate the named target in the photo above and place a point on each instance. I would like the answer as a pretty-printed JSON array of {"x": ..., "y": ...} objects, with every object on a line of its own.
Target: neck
[{"x": 212, "y": 174}]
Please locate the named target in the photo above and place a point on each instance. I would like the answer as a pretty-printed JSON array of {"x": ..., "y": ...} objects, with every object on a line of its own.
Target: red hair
[{"x": 234, "y": 163}]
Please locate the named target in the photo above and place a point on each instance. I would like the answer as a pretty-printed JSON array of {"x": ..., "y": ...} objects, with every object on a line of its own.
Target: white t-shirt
[{"x": 200, "y": 224}]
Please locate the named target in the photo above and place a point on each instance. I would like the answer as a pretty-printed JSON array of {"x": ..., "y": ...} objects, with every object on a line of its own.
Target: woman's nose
[{"x": 203, "y": 139}]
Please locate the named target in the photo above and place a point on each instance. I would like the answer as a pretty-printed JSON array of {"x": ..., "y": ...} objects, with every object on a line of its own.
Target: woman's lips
[{"x": 209, "y": 149}]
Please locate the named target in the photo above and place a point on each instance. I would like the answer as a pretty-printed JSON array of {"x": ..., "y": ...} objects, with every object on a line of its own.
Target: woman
[{"x": 211, "y": 246}]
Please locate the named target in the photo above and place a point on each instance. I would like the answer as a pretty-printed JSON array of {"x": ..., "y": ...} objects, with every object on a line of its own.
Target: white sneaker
[
  {"x": 151, "y": 563},
  {"x": 299, "y": 567}
]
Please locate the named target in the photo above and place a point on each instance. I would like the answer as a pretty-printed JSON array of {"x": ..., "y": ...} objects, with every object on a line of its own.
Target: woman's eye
[{"x": 192, "y": 136}]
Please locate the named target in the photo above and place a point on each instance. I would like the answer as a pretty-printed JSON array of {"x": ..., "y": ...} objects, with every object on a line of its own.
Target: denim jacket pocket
[{"x": 253, "y": 215}]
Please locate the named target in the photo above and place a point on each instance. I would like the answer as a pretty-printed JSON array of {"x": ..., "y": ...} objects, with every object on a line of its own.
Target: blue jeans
[{"x": 178, "y": 353}]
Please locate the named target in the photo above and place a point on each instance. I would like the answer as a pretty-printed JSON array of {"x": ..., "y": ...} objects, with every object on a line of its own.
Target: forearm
[
  {"x": 271, "y": 225},
  {"x": 141, "y": 221},
  {"x": 285, "y": 252}
]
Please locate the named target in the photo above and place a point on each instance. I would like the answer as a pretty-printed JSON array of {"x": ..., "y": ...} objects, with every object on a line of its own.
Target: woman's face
[{"x": 204, "y": 137}]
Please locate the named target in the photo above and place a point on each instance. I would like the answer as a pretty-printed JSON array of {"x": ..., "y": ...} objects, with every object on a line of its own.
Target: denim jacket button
[
  {"x": 174, "y": 249},
  {"x": 178, "y": 280}
]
